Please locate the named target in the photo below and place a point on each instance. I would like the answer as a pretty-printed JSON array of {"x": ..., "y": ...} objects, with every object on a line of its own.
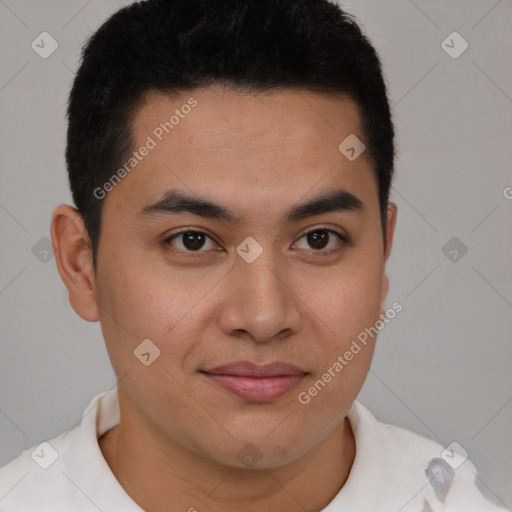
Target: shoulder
[
  {"x": 26, "y": 482},
  {"x": 67, "y": 472},
  {"x": 433, "y": 477}
]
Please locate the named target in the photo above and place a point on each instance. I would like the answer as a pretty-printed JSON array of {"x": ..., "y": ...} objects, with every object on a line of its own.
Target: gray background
[{"x": 442, "y": 366}]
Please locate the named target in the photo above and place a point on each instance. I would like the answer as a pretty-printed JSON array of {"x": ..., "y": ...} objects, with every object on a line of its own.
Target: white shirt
[{"x": 390, "y": 471}]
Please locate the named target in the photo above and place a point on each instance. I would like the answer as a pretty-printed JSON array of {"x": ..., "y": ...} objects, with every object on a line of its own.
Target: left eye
[
  {"x": 194, "y": 241},
  {"x": 319, "y": 238}
]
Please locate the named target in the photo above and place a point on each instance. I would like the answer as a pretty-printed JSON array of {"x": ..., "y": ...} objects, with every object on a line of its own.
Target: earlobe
[
  {"x": 74, "y": 260},
  {"x": 383, "y": 292},
  {"x": 390, "y": 229}
]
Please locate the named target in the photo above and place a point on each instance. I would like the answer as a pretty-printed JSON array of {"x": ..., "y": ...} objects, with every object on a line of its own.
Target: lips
[{"x": 256, "y": 383}]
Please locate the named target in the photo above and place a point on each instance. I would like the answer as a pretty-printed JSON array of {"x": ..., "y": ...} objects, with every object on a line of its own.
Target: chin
[{"x": 266, "y": 454}]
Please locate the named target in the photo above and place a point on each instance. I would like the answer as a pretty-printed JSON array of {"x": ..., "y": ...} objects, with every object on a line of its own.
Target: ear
[
  {"x": 73, "y": 255},
  {"x": 390, "y": 230}
]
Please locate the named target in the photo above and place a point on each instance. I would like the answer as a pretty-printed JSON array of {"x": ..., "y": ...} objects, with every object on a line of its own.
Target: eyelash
[{"x": 345, "y": 241}]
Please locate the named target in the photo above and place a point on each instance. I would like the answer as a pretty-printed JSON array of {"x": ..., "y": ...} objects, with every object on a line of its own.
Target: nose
[{"x": 260, "y": 303}]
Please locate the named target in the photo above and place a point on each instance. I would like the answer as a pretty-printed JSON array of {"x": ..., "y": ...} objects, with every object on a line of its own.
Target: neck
[{"x": 191, "y": 482}]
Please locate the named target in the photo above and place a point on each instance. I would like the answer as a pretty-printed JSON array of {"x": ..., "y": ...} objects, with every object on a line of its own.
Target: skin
[{"x": 179, "y": 436}]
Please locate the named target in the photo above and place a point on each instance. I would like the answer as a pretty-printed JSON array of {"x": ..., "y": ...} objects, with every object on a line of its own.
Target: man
[{"x": 230, "y": 163}]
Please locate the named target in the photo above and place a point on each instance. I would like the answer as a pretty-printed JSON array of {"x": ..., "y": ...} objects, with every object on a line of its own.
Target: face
[{"x": 264, "y": 281}]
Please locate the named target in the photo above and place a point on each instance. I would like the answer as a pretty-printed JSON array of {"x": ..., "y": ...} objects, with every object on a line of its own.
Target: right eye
[{"x": 189, "y": 241}]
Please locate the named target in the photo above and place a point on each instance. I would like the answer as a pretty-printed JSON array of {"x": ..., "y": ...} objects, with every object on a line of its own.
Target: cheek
[
  {"x": 360, "y": 303},
  {"x": 152, "y": 300},
  {"x": 137, "y": 302},
  {"x": 345, "y": 300},
  {"x": 346, "y": 306}
]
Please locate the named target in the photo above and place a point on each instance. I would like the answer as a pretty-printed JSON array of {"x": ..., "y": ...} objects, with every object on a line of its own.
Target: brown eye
[
  {"x": 319, "y": 240},
  {"x": 193, "y": 240},
  {"x": 189, "y": 241}
]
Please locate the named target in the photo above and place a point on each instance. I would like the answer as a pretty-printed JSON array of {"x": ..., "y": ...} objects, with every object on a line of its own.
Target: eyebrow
[{"x": 176, "y": 202}]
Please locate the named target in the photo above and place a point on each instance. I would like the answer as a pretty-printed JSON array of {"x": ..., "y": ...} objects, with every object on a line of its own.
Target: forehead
[
  {"x": 229, "y": 119},
  {"x": 237, "y": 147}
]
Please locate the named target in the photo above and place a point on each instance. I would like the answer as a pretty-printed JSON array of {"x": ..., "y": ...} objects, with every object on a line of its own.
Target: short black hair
[{"x": 173, "y": 46}]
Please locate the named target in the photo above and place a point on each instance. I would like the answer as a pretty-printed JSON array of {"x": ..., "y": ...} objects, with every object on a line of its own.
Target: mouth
[{"x": 256, "y": 383}]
